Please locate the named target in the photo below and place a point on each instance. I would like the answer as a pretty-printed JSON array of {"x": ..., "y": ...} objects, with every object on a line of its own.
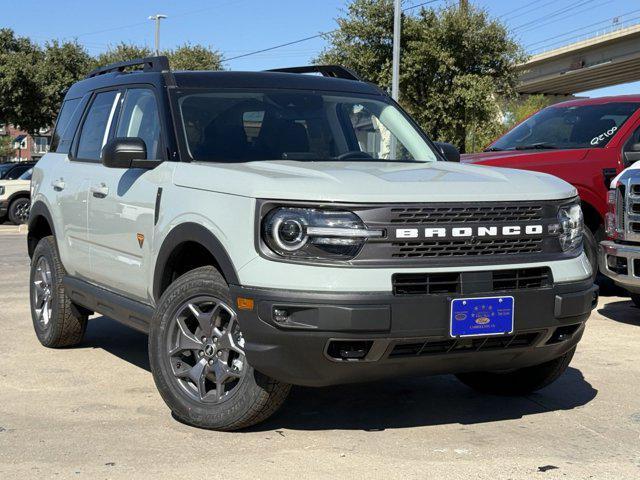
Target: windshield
[
  {"x": 587, "y": 126},
  {"x": 4, "y": 168},
  {"x": 27, "y": 175},
  {"x": 234, "y": 126}
]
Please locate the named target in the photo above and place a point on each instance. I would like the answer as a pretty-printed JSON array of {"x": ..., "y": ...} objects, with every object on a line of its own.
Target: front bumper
[
  {"x": 621, "y": 263},
  {"x": 401, "y": 335}
]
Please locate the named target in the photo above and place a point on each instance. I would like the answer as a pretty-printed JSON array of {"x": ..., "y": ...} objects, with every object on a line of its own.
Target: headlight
[
  {"x": 309, "y": 233},
  {"x": 571, "y": 223}
]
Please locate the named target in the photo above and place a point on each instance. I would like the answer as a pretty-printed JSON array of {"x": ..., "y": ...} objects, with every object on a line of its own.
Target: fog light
[{"x": 280, "y": 315}]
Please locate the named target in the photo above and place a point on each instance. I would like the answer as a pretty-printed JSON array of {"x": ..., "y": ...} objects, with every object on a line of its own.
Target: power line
[
  {"x": 527, "y": 6},
  {"x": 555, "y": 13},
  {"x": 561, "y": 17},
  {"x": 546, "y": 40},
  {"x": 306, "y": 39}
]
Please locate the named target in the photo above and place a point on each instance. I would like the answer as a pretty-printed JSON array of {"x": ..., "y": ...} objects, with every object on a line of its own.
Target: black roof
[{"x": 156, "y": 73}]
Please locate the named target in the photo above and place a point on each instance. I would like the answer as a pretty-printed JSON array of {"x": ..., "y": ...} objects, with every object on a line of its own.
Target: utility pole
[
  {"x": 157, "y": 17},
  {"x": 395, "y": 81}
]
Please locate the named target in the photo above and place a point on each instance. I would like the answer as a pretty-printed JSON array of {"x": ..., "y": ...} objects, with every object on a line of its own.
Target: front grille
[
  {"x": 471, "y": 282},
  {"x": 467, "y": 248},
  {"x": 466, "y": 214},
  {"x": 439, "y": 346},
  {"x": 522, "y": 278}
]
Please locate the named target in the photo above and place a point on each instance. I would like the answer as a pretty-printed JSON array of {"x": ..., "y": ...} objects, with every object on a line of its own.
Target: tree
[
  {"x": 6, "y": 146},
  {"x": 523, "y": 107},
  {"x": 194, "y": 57},
  {"x": 184, "y": 57},
  {"x": 456, "y": 66},
  {"x": 33, "y": 80},
  {"x": 121, "y": 53}
]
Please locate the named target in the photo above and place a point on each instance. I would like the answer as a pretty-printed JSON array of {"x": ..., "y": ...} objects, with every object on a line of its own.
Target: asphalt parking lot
[{"x": 93, "y": 412}]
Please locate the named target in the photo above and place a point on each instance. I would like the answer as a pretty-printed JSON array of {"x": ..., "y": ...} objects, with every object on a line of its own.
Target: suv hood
[{"x": 377, "y": 182}]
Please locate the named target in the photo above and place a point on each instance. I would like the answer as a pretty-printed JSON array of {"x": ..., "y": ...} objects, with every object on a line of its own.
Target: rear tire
[
  {"x": 19, "y": 211},
  {"x": 56, "y": 320},
  {"x": 519, "y": 382},
  {"x": 196, "y": 351}
]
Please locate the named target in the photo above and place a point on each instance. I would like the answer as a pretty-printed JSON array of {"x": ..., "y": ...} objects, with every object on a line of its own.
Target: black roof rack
[
  {"x": 333, "y": 71},
  {"x": 150, "y": 64}
]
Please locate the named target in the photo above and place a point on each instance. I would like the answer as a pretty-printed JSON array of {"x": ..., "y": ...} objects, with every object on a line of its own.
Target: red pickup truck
[{"x": 586, "y": 142}]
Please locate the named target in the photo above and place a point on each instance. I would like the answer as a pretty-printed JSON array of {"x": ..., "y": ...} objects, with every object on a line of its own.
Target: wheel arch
[
  {"x": 190, "y": 245},
  {"x": 40, "y": 225}
]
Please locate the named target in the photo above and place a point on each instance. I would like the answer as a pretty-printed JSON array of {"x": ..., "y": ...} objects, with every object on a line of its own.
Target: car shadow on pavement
[
  {"x": 623, "y": 311},
  {"x": 396, "y": 403},
  {"x": 416, "y": 402},
  {"x": 118, "y": 340}
]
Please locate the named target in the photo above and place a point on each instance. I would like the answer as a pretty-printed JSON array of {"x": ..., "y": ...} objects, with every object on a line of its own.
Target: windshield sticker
[{"x": 605, "y": 136}]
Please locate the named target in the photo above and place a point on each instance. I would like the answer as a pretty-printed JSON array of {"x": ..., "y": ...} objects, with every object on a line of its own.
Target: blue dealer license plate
[{"x": 481, "y": 316}]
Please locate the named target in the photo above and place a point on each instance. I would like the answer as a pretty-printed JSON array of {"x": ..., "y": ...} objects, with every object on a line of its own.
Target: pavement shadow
[
  {"x": 419, "y": 402},
  {"x": 118, "y": 340},
  {"x": 396, "y": 403},
  {"x": 623, "y": 311}
]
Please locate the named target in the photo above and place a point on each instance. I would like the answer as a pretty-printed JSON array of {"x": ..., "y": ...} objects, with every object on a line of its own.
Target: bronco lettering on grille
[{"x": 468, "y": 232}]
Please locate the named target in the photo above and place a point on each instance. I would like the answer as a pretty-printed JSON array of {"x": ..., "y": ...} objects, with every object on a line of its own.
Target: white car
[
  {"x": 15, "y": 198},
  {"x": 276, "y": 228}
]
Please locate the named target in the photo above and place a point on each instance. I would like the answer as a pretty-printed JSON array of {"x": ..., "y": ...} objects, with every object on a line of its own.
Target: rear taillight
[{"x": 611, "y": 217}]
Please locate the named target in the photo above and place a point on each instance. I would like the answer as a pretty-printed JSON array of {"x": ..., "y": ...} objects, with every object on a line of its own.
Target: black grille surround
[
  {"x": 478, "y": 249},
  {"x": 440, "y": 346},
  {"x": 467, "y": 248},
  {"x": 466, "y": 214},
  {"x": 510, "y": 280}
]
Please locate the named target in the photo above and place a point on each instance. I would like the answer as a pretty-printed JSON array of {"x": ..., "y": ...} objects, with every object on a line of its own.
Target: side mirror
[
  {"x": 448, "y": 151},
  {"x": 127, "y": 152},
  {"x": 631, "y": 154}
]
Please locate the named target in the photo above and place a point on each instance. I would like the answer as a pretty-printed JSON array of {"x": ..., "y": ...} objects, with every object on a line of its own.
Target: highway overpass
[{"x": 608, "y": 59}]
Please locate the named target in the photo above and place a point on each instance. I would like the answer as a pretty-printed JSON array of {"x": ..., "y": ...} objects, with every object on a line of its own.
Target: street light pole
[
  {"x": 157, "y": 18},
  {"x": 395, "y": 81}
]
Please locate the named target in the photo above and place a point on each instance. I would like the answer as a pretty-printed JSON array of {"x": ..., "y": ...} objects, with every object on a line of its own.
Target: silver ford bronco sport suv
[{"x": 270, "y": 229}]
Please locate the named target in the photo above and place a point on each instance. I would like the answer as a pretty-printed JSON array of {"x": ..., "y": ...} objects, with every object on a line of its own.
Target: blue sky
[{"x": 236, "y": 27}]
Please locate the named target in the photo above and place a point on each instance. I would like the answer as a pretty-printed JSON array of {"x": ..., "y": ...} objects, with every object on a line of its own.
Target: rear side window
[
  {"x": 93, "y": 134},
  {"x": 62, "y": 125},
  {"x": 139, "y": 118}
]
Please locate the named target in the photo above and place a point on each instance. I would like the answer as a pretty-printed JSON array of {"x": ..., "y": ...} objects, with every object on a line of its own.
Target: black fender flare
[
  {"x": 38, "y": 209},
  {"x": 192, "y": 232},
  {"x": 20, "y": 194}
]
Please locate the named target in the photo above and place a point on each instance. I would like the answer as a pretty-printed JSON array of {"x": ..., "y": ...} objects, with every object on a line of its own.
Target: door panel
[{"x": 122, "y": 204}]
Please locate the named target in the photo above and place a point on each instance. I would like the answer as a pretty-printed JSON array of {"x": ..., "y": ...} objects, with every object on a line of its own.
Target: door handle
[
  {"x": 58, "y": 185},
  {"x": 99, "y": 191}
]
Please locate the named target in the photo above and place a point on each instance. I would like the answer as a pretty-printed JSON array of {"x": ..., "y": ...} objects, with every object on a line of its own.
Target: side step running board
[{"x": 129, "y": 312}]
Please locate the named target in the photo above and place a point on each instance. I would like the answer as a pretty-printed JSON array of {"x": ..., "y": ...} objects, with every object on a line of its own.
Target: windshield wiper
[
  {"x": 493, "y": 149},
  {"x": 536, "y": 146}
]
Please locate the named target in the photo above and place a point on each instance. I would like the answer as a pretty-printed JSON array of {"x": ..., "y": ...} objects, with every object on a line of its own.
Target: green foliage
[
  {"x": 194, "y": 57},
  {"x": 6, "y": 146},
  {"x": 523, "y": 107},
  {"x": 121, "y": 53},
  {"x": 34, "y": 79},
  {"x": 456, "y": 64}
]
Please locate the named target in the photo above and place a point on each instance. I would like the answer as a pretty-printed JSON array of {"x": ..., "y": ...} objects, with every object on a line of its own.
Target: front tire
[
  {"x": 56, "y": 320},
  {"x": 196, "y": 352},
  {"x": 19, "y": 211},
  {"x": 518, "y": 382}
]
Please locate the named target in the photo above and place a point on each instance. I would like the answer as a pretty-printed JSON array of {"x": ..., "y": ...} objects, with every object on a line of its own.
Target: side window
[
  {"x": 15, "y": 172},
  {"x": 139, "y": 118},
  {"x": 64, "y": 118},
  {"x": 93, "y": 135}
]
